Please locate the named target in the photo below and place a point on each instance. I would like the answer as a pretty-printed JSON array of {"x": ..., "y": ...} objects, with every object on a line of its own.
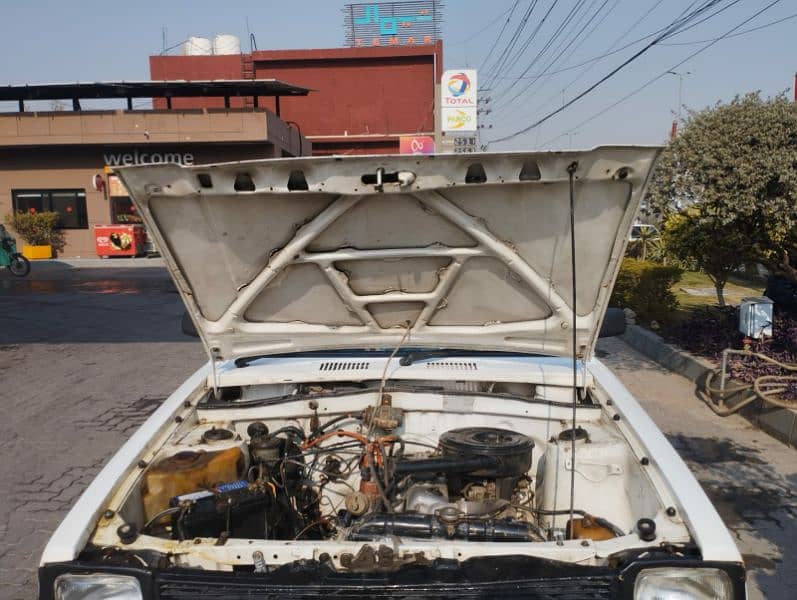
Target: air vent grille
[
  {"x": 344, "y": 366},
  {"x": 453, "y": 365}
]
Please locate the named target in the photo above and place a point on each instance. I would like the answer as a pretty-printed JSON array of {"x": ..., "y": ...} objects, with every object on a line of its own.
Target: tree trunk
[{"x": 719, "y": 286}]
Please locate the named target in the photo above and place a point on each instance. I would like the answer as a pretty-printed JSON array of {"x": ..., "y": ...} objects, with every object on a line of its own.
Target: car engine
[{"x": 352, "y": 478}]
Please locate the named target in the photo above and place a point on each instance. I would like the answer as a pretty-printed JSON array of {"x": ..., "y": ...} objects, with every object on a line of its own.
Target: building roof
[{"x": 151, "y": 89}]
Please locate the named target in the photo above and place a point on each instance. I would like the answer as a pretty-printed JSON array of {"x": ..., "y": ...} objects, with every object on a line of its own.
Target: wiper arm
[{"x": 411, "y": 357}]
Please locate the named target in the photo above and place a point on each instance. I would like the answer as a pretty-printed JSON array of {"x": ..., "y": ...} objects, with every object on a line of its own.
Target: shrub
[
  {"x": 644, "y": 287},
  {"x": 37, "y": 228}
]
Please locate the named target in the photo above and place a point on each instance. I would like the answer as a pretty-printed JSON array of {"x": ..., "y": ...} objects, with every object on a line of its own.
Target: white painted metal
[
  {"x": 72, "y": 534},
  {"x": 710, "y": 533},
  {"x": 541, "y": 370},
  {"x": 232, "y": 251},
  {"x": 222, "y": 268}
]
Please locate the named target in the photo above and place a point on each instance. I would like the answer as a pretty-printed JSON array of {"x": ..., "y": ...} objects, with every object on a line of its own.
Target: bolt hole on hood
[{"x": 469, "y": 252}]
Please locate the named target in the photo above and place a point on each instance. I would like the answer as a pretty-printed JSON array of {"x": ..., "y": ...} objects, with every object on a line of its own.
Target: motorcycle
[{"x": 9, "y": 257}]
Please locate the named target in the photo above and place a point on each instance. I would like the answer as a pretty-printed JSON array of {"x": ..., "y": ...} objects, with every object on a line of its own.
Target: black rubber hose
[
  {"x": 322, "y": 428},
  {"x": 429, "y": 526},
  {"x": 375, "y": 478},
  {"x": 466, "y": 464},
  {"x": 289, "y": 429}
]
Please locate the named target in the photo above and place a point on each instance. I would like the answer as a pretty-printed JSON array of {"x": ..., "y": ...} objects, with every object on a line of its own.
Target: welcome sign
[{"x": 137, "y": 157}]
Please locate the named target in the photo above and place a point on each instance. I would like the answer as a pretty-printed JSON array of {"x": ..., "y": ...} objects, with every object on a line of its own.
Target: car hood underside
[{"x": 473, "y": 252}]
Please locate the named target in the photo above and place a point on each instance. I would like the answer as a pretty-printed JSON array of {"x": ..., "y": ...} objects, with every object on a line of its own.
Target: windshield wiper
[{"x": 411, "y": 357}]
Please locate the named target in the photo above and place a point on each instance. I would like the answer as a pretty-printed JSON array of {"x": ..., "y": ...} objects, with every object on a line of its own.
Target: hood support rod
[{"x": 571, "y": 171}]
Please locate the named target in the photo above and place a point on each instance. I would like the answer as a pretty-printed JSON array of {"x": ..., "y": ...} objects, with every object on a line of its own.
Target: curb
[
  {"x": 98, "y": 263},
  {"x": 780, "y": 423},
  {"x": 667, "y": 355}
]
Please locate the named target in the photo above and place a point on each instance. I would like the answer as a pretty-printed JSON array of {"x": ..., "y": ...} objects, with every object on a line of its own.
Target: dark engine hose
[
  {"x": 464, "y": 464},
  {"x": 292, "y": 429},
  {"x": 429, "y": 526},
  {"x": 379, "y": 486},
  {"x": 323, "y": 427}
]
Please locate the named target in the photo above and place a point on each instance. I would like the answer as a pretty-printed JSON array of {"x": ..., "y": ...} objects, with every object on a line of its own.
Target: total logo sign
[
  {"x": 459, "y": 88},
  {"x": 458, "y": 95}
]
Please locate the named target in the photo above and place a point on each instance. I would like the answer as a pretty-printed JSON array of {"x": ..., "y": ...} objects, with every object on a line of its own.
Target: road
[
  {"x": 750, "y": 477},
  {"x": 74, "y": 344}
]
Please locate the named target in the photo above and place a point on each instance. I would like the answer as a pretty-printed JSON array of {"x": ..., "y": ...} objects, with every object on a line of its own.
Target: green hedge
[{"x": 644, "y": 287}]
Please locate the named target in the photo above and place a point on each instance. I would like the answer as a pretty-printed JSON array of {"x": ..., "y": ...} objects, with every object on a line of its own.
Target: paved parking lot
[{"x": 86, "y": 354}]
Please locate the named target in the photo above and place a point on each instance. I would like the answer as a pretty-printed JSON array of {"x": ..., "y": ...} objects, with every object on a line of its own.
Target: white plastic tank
[
  {"x": 224, "y": 43},
  {"x": 197, "y": 46}
]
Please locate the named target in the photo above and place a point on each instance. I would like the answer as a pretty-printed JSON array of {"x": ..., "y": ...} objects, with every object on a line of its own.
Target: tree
[
  {"x": 736, "y": 164},
  {"x": 712, "y": 247}
]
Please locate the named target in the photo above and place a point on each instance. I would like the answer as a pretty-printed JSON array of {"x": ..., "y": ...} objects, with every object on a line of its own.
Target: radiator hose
[{"x": 431, "y": 526}]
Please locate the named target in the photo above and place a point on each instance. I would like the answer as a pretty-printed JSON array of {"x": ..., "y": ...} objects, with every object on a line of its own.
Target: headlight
[
  {"x": 672, "y": 583},
  {"x": 97, "y": 587}
]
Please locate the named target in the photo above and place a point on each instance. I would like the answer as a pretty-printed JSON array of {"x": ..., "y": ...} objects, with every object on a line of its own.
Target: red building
[{"x": 363, "y": 99}]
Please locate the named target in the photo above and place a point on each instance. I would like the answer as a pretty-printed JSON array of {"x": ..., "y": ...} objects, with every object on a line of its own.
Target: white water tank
[
  {"x": 224, "y": 43},
  {"x": 197, "y": 46}
]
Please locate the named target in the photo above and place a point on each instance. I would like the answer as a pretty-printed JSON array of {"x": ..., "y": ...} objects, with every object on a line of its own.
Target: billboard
[
  {"x": 416, "y": 144},
  {"x": 458, "y": 94},
  {"x": 393, "y": 23}
]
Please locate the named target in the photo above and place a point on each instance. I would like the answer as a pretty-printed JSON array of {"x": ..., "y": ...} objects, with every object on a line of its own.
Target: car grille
[{"x": 593, "y": 587}]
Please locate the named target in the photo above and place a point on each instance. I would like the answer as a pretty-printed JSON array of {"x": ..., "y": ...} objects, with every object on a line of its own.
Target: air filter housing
[{"x": 512, "y": 452}]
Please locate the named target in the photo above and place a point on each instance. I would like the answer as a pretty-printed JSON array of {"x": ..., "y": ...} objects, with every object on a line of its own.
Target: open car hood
[{"x": 467, "y": 251}]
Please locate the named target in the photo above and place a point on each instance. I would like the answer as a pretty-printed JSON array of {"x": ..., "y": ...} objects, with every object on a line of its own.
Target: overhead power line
[
  {"x": 483, "y": 29},
  {"x": 588, "y": 68},
  {"x": 559, "y": 29},
  {"x": 500, "y": 35},
  {"x": 507, "y": 51},
  {"x": 552, "y": 62},
  {"x": 671, "y": 30},
  {"x": 737, "y": 34},
  {"x": 553, "y": 37},
  {"x": 728, "y": 34},
  {"x": 684, "y": 16}
]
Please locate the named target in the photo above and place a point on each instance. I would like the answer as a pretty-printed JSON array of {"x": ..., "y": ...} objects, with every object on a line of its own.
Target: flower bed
[{"x": 712, "y": 329}]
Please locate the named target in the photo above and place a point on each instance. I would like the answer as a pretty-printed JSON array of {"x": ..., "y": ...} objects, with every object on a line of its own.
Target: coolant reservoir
[
  {"x": 188, "y": 471},
  {"x": 609, "y": 482}
]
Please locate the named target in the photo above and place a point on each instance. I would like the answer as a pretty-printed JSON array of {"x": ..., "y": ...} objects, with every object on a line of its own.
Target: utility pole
[
  {"x": 680, "y": 77},
  {"x": 483, "y": 109},
  {"x": 570, "y": 135}
]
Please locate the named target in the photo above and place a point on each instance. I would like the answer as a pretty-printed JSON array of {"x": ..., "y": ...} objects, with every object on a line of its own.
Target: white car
[{"x": 402, "y": 398}]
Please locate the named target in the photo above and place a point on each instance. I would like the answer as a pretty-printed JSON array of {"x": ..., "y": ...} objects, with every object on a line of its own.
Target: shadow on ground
[
  {"x": 751, "y": 497},
  {"x": 90, "y": 305}
]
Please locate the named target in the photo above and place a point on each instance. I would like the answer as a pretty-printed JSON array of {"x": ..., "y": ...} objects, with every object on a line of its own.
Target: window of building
[
  {"x": 123, "y": 211},
  {"x": 69, "y": 204}
]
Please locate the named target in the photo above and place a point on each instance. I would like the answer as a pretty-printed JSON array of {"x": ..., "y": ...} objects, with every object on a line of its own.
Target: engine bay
[{"x": 339, "y": 468}]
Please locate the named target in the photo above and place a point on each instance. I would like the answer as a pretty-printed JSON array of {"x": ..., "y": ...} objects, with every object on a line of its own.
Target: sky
[{"x": 92, "y": 40}]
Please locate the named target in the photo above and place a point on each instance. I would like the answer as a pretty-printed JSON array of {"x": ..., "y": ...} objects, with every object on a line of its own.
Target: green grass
[{"x": 736, "y": 289}]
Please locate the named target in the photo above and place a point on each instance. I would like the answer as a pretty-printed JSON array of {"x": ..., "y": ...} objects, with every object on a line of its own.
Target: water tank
[
  {"x": 197, "y": 46},
  {"x": 225, "y": 43}
]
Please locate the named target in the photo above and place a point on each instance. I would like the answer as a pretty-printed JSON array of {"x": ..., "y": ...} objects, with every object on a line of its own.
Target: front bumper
[{"x": 507, "y": 577}]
